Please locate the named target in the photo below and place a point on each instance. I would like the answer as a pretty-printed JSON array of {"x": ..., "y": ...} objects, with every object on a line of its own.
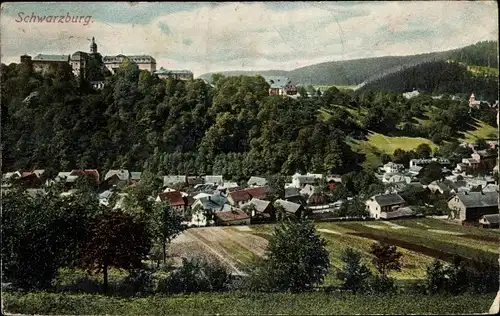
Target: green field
[
  {"x": 239, "y": 303},
  {"x": 420, "y": 240},
  {"x": 483, "y": 130}
]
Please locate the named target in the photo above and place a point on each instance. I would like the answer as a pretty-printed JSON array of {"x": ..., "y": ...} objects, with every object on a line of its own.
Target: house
[
  {"x": 66, "y": 178},
  {"x": 395, "y": 178},
  {"x": 232, "y": 217},
  {"x": 280, "y": 85},
  {"x": 194, "y": 180},
  {"x": 300, "y": 181},
  {"x": 442, "y": 187},
  {"x": 198, "y": 218},
  {"x": 392, "y": 167},
  {"x": 237, "y": 198},
  {"x": 256, "y": 181},
  {"x": 104, "y": 197},
  {"x": 485, "y": 158},
  {"x": 470, "y": 206},
  {"x": 308, "y": 190},
  {"x": 263, "y": 210},
  {"x": 228, "y": 185},
  {"x": 200, "y": 195},
  {"x": 211, "y": 204},
  {"x": 135, "y": 177},
  {"x": 490, "y": 220},
  {"x": 217, "y": 180},
  {"x": 173, "y": 180},
  {"x": 261, "y": 193},
  {"x": 317, "y": 198},
  {"x": 490, "y": 188},
  {"x": 32, "y": 180},
  {"x": 405, "y": 211},
  {"x": 333, "y": 181},
  {"x": 115, "y": 177},
  {"x": 90, "y": 173},
  {"x": 412, "y": 94},
  {"x": 293, "y": 195},
  {"x": 415, "y": 170},
  {"x": 473, "y": 103},
  {"x": 174, "y": 74},
  {"x": 290, "y": 208},
  {"x": 176, "y": 200},
  {"x": 381, "y": 205}
]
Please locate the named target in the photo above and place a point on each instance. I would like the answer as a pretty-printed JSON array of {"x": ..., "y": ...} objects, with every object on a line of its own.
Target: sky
[{"x": 209, "y": 36}]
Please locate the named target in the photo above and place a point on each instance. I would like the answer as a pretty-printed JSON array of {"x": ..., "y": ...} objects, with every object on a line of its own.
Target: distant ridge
[{"x": 360, "y": 71}]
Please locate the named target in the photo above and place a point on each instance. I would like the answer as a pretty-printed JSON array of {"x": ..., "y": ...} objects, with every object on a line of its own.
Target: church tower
[{"x": 93, "y": 47}]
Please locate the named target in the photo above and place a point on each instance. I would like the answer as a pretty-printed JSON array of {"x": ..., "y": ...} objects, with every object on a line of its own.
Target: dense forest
[
  {"x": 55, "y": 121},
  {"x": 354, "y": 72},
  {"x": 439, "y": 77}
]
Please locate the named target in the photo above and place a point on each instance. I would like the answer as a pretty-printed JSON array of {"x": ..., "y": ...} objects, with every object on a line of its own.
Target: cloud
[{"x": 210, "y": 37}]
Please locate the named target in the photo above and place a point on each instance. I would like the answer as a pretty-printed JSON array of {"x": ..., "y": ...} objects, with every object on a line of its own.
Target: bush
[
  {"x": 483, "y": 276},
  {"x": 354, "y": 274},
  {"x": 382, "y": 284},
  {"x": 137, "y": 283},
  {"x": 435, "y": 281},
  {"x": 196, "y": 275}
]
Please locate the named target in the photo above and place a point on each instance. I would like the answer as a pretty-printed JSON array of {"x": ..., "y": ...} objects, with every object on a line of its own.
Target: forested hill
[
  {"x": 354, "y": 72},
  {"x": 440, "y": 77},
  {"x": 348, "y": 72},
  {"x": 140, "y": 122}
]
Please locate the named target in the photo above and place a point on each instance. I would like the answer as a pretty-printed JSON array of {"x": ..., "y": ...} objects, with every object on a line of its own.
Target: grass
[
  {"x": 424, "y": 246},
  {"x": 239, "y": 303},
  {"x": 483, "y": 130},
  {"x": 388, "y": 144}
]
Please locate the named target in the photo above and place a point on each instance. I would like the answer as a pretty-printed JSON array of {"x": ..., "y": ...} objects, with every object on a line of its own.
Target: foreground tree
[
  {"x": 385, "y": 258},
  {"x": 116, "y": 239},
  {"x": 167, "y": 224},
  {"x": 297, "y": 257},
  {"x": 354, "y": 274}
]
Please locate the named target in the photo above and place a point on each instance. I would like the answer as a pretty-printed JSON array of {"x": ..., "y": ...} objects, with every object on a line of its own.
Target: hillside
[
  {"x": 441, "y": 77},
  {"x": 357, "y": 71}
]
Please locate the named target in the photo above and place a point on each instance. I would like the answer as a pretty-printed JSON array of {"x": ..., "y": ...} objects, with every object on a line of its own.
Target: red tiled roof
[
  {"x": 90, "y": 172},
  {"x": 258, "y": 192},
  {"x": 239, "y": 196},
  {"x": 233, "y": 215},
  {"x": 174, "y": 197}
]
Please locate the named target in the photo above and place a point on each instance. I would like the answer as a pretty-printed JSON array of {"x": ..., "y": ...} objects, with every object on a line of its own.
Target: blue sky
[{"x": 211, "y": 36}]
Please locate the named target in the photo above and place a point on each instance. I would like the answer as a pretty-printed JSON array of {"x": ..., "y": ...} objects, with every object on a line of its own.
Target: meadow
[{"x": 240, "y": 303}]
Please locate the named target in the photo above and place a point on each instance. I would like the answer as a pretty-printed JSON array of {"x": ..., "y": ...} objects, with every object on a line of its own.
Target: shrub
[
  {"x": 354, "y": 274},
  {"x": 382, "y": 284},
  {"x": 196, "y": 275},
  {"x": 435, "y": 281}
]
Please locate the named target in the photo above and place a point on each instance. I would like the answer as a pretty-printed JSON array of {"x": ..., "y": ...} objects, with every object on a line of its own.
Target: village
[{"x": 211, "y": 200}]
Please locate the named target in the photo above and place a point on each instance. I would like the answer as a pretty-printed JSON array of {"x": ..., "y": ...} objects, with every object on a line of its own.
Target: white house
[
  {"x": 381, "y": 205},
  {"x": 392, "y": 167}
]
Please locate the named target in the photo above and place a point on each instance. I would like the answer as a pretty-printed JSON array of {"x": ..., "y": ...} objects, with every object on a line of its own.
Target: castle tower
[{"x": 93, "y": 47}]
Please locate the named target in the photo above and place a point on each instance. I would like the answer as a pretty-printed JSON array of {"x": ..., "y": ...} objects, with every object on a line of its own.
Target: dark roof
[
  {"x": 91, "y": 172},
  {"x": 291, "y": 192},
  {"x": 492, "y": 218},
  {"x": 213, "y": 202},
  {"x": 233, "y": 215},
  {"x": 238, "y": 196},
  {"x": 317, "y": 198},
  {"x": 58, "y": 58},
  {"x": 289, "y": 207},
  {"x": 478, "y": 199},
  {"x": 389, "y": 199},
  {"x": 174, "y": 197},
  {"x": 259, "y": 192},
  {"x": 260, "y": 205}
]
